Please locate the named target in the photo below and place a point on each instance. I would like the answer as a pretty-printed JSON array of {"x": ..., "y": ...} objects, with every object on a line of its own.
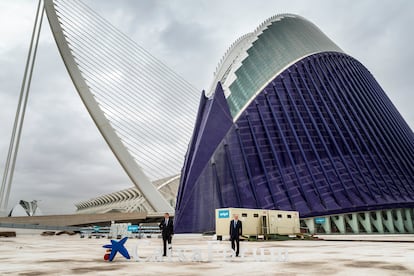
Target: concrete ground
[{"x": 32, "y": 254}]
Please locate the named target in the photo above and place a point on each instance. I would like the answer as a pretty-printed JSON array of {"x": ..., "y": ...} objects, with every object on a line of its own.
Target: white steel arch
[
  {"x": 131, "y": 167},
  {"x": 102, "y": 78}
]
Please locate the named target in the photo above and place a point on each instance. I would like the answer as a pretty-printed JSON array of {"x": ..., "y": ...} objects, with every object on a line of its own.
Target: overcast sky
[{"x": 63, "y": 159}]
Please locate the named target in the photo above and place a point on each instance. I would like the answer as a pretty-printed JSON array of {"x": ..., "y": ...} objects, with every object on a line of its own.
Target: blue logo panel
[
  {"x": 319, "y": 220},
  {"x": 223, "y": 214},
  {"x": 133, "y": 228}
]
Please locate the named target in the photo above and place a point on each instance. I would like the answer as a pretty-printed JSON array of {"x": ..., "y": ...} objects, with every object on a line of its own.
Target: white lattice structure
[{"x": 129, "y": 200}]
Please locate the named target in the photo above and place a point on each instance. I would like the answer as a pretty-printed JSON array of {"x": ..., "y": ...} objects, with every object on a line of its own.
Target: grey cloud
[
  {"x": 63, "y": 158},
  {"x": 184, "y": 37}
]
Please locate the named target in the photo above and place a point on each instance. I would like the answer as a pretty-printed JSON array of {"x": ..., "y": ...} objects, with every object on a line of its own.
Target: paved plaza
[{"x": 33, "y": 254}]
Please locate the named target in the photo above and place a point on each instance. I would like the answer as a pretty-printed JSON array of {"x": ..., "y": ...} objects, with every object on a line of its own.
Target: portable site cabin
[{"x": 258, "y": 221}]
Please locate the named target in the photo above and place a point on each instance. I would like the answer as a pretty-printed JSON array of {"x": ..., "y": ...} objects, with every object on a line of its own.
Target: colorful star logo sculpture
[{"x": 117, "y": 246}]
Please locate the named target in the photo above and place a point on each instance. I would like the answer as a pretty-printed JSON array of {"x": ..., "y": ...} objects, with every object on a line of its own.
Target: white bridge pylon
[{"x": 143, "y": 109}]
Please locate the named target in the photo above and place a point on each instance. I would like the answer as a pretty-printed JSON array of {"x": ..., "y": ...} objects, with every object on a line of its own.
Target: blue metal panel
[
  {"x": 339, "y": 139},
  {"x": 259, "y": 153},
  {"x": 312, "y": 145},
  {"x": 339, "y": 150},
  {"x": 246, "y": 166},
  {"x": 359, "y": 128},
  {"x": 233, "y": 176},
  {"x": 275, "y": 156},
  {"x": 304, "y": 193},
  {"x": 346, "y": 130},
  {"x": 218, "y": 188},
  {"x": 299, "y": 143},
  {"x": 379, "y": 120},
  {"x": 320, "y": 137},
  {"x": 381, "y": 110}
]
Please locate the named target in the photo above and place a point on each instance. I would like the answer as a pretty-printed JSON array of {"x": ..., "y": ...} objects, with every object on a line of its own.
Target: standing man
[
  {"x": 167, "y": 228},
  {"x": 235, "y": 233}
]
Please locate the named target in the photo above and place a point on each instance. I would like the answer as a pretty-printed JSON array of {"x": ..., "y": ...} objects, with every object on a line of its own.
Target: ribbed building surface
[
  {"x": 296, "y": 124},
  {"x": 129, "y": 200}
]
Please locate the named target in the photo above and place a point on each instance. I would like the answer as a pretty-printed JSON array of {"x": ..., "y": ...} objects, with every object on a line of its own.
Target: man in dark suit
[
  {"x": 167, "y": 228},
  {"x": 235, "y": 233}
]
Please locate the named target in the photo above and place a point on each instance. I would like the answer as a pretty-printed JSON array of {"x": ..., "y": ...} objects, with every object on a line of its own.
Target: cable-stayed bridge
[{"x": 143, "y": 109}]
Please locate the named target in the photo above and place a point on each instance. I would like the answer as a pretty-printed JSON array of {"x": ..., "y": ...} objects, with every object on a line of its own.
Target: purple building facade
[{"x": 296, "y": 124}]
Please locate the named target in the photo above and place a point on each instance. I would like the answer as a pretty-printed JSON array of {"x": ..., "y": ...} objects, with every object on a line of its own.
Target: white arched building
[{"x": 129, "y": 200}]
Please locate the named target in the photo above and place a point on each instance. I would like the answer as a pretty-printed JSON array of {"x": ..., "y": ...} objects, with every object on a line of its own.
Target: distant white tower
[{"x": 25, "y": 208}]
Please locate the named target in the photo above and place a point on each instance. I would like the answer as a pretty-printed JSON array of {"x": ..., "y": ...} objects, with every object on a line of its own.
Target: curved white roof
[
  {"x": 258, "y": 57},
  {"x": 130, "y": 199}
]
